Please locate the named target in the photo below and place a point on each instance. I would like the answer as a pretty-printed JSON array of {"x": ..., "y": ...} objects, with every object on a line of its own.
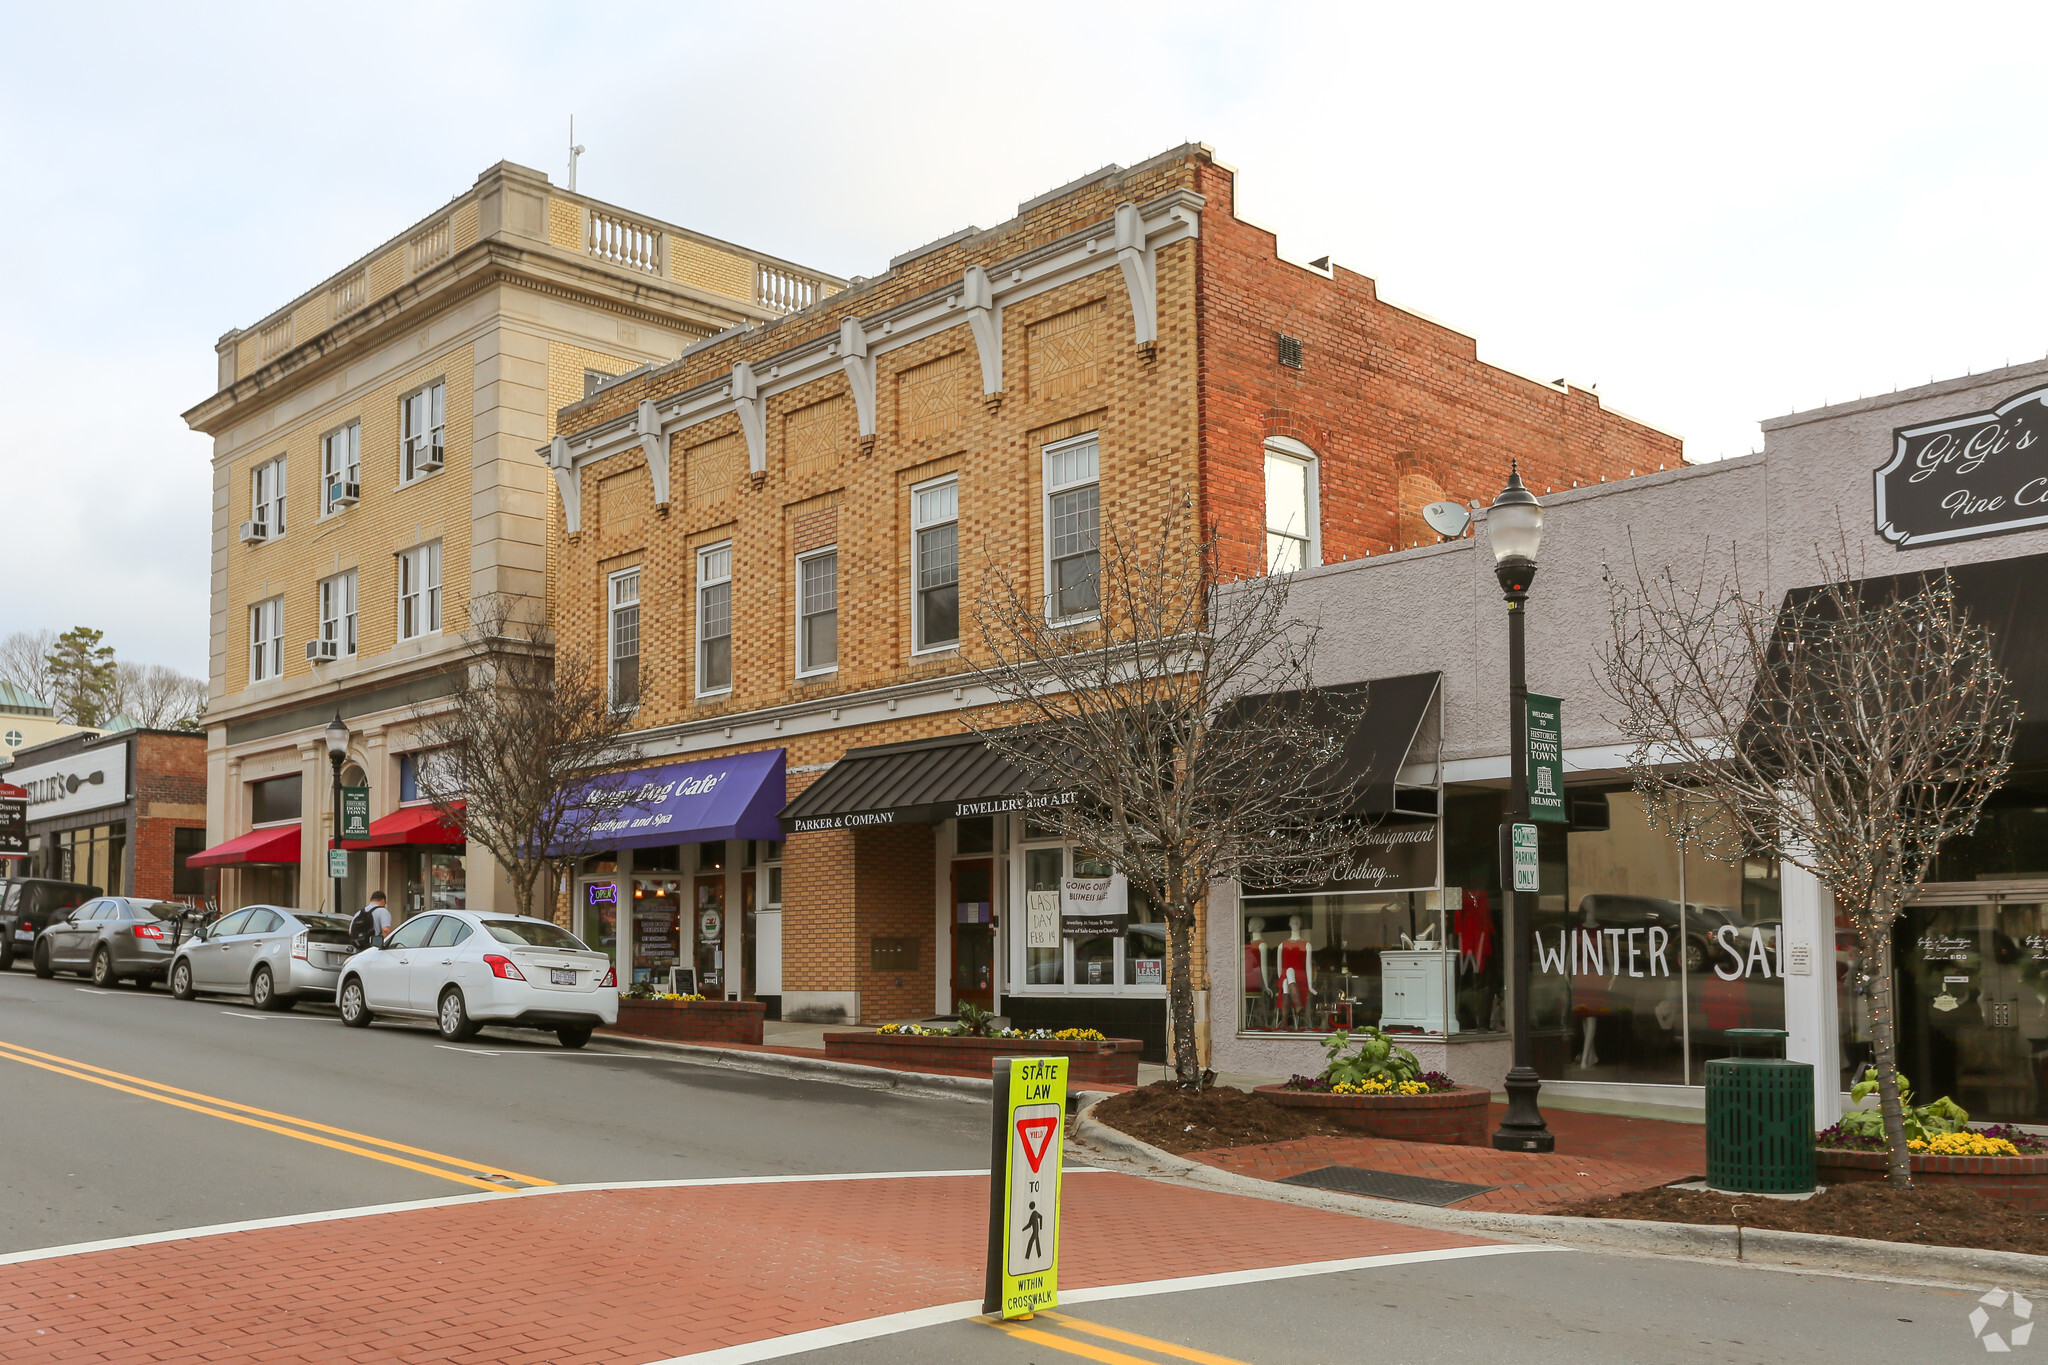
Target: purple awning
[{"x": 735, "y": 797}]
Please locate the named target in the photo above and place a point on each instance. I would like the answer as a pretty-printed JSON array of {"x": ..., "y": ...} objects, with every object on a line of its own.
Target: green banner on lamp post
[
  {"x": 1544, "y": 717},
  {"x": 355, "y": 812}
]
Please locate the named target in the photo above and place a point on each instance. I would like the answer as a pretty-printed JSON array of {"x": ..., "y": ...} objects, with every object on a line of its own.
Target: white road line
[
  {"x": 537, "y": 1052},
  {"x": 890, "y": 1324},
  {"x": 90, "y": 990},
  {"x": 370, "y": 1210},
  {"x": 274, "y": 1018}
]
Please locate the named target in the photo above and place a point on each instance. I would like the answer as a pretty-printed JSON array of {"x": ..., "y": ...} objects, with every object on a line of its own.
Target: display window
[
  {"x": 1082, "y": 928},
  {"x": 1313, "y": 964},
  {"x": 435, "y": 878},
  {"x": 657, "y": 929}
]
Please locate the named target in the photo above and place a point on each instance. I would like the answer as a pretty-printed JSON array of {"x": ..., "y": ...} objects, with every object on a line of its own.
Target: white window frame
[
  {"x": 420, "y": 569},
  {"x": 1049, "y": 456},
  {"x": 266, "y": 639},
  {"x": 622, "y": 594},
  {"x": 338, "y": 611},
  {"x": 804, "y": 669},
  {"x": 1016, "y": 951},
  {"x": 433, "y": 437},
  {"x": 266, "y": 496},
  {"x": 714, "y": 570},
  {"x": 921, "y": 524},
  {"x": 341, "y": 461},
  {"x": 1291, "y": 451}
]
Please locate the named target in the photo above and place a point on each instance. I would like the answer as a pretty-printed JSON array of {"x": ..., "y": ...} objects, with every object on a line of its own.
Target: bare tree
[
  {"x": 527, "y": 748},
  {"x": 157, "y": 697},
  {"x": 1174, "y": 733},
  {"x": 25, "y": 661},
  {"x": 1849, "y": 730}
]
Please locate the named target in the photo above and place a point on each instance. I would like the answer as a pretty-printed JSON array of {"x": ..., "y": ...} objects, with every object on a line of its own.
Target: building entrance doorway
[{"x": 974, "y": 934}]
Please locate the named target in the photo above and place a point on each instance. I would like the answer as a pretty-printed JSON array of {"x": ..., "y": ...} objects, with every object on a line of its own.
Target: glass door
[
  {"x": 974, "y": 942},
  {"x": 709, "y": 910}
]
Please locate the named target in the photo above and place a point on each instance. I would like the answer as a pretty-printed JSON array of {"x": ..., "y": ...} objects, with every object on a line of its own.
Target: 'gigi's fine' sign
[{"x": 1985, "y": 474}]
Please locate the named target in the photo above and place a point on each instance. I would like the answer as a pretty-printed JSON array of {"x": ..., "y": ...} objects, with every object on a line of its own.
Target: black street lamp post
[
  {"x": 337, "y": 750},
  {"x": 1515, "y": 525}
]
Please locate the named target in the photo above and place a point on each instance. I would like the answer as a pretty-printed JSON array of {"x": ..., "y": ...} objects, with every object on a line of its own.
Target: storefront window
[
  {"x": 1044, "y": 954},
  {"x": 435, "y": 879},
  {"x": 598, "y": 914},
  {"x": 657, "y": 929},
  {"x": 95, "y": 855},
  {"x": 1082, "y": 927},
  {"x": 1095, "y": 956},
  {"x": 1311, "y": 964},
  {"x": 1145, "y": 943}
]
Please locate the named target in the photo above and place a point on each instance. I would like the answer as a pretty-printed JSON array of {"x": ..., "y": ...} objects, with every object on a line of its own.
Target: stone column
[{"x": 1812, "y": 1025}]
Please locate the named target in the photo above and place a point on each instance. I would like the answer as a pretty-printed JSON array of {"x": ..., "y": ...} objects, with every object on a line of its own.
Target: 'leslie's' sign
[{"x": 1985, "y": 474}]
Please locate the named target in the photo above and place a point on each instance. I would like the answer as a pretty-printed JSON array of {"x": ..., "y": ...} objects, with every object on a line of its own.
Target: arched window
[{"x": 1294, "y": 538}]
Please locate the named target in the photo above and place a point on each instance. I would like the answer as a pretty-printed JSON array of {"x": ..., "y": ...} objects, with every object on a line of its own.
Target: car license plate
[
  {"x": 23, "y": 934},
  {"x": 561, "y": 976}
]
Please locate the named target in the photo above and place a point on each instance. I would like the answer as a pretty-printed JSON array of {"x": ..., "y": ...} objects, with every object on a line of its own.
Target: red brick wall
[
  {"x": 893, "y": 897},
  {"x": 170, "y": 794},
  {"x": 1389, "y": 401}
]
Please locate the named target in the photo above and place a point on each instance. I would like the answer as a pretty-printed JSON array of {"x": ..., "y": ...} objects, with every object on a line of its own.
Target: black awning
[
  {"x": 915, "y": 782},
  {"x": 1378, "y": 744}
]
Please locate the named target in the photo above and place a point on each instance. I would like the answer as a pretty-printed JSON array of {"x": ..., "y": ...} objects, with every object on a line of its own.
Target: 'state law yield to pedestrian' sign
[{"x": 1026, "y": 1251}]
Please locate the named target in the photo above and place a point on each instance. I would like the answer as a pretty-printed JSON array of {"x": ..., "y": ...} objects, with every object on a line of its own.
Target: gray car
[
  {"x": 272, "y": 954},
  {"x": 111, "y": 939}
]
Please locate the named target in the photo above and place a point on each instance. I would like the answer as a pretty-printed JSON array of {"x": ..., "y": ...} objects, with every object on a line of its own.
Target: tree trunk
[
  {"x": 1181, "y": 1052},
  {"x": 1885, "y": 1037}
]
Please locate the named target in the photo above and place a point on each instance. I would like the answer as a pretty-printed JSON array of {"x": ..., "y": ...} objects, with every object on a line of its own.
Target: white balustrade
[
  {"x": 622, "y": 241},
  {"x": 785, "y": 291}
]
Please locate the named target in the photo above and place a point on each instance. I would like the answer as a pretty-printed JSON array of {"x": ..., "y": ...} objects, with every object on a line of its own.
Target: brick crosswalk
[{"x": 618, "y": 1277}]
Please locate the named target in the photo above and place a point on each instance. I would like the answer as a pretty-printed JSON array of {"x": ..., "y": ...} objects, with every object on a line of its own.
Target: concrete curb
[
  {"x": 919, "y": 1084},
  {"x": 1945, "y": 1266}
]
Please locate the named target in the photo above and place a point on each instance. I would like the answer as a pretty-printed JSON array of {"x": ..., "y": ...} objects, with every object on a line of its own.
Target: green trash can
[{"x": 1759, "y": 1119}]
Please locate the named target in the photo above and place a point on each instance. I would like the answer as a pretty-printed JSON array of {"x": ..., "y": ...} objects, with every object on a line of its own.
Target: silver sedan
[
  {"x": 113, "y": 939},
  {"x": 274, "y": 955}
]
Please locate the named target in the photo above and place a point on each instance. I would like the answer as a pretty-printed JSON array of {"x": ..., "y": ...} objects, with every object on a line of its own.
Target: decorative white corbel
[
  {"x": 746, "y": 400},
  {"x": 567, "y": 482},
  {"x": 655, "y": 447},
  {"x": 860, "y": 371},
  {"x": 979, "y": 301},
  {"x": 1136, "y": 259}
]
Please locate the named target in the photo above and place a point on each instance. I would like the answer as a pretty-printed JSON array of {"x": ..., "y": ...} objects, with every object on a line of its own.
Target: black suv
[{"x": 29, "y": 903}]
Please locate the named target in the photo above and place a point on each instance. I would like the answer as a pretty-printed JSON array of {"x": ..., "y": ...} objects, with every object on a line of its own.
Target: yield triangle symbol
[{"x": 1036, "y": 1135}]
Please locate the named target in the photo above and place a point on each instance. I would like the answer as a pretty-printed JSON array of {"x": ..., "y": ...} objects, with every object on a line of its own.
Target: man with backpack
[{"x": 370, "y": 924}]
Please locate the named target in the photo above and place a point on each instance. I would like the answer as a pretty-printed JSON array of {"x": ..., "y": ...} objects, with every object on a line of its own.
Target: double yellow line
[
  {"x": 305, "y": 1130},
  {"x": 1087, "y": 1350}
]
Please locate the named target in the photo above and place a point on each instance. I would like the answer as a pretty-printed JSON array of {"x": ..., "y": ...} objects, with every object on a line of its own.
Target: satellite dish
[{"x": 1447, "y": 519}]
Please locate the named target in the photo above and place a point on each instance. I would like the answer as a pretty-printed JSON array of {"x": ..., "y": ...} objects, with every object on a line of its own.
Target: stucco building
[{"x": 373, "y": 476}]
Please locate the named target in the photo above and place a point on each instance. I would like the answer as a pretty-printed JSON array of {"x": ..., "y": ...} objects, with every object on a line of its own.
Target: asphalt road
[
  {"x": 1546, "y": 1308},
  {"x": 326, "y": 1114}
]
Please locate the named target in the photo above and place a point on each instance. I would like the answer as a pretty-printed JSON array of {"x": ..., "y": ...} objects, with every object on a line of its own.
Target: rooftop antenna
[{"x": 574, "y": 152}]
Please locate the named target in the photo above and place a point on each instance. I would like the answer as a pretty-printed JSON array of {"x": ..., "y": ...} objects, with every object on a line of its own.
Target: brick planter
[
  {"x": 1457, "y": 1117},
  {"x": 2021, "y": 1180},
  {"x": 1113, "y": 1061},
  {"x": 692, "y": 1021}
]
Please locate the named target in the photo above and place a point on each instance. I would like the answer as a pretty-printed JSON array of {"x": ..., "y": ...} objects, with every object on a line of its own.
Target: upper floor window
[
  {"x": 338, "y": 612},
  {"x": 341, "y": 468},
  {"x": 1293, "y": 539},
  {"x": 424, "y": 418},
  {"x": 625, "y": 639},
  {"x": 714, "y": 618},
  {"x": 266, "y": 496},
  {"x": 266, "y": 639},
  {"x": 935, "y": 557},
  {"x": 1073, "y": 528},
  {"x": 419, "y": 590},
  {"x": 817, "y": 612}
]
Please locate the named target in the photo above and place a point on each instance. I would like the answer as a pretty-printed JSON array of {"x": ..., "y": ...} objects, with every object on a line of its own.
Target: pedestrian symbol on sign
[{"x": 1031, "y": 1227}]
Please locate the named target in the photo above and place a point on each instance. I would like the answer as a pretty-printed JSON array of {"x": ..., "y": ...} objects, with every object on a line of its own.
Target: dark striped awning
[{"x": 916, "y": 782}]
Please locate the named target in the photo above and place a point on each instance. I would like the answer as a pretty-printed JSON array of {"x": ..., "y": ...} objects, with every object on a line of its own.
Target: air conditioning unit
[
  {"x": 427, "y": 464},
  {"x": 254, "y": 533},
  {"x": 346, "y": 494},
  {"x": 322, "y": 651}
]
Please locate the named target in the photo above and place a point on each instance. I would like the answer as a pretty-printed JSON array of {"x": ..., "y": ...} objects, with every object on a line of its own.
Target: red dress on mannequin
[{"x": 1294, "y": 973}]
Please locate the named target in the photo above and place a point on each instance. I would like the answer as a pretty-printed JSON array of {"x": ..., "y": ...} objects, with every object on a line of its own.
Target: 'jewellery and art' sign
[{"x": 1984, "y": 474}]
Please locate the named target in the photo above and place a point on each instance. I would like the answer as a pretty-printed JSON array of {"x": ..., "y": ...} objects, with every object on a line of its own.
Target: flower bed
[
  {"x": 684, "y": 1020},
  {"x": 1101, "y": 1060},
  {"x": 1456, "y": 1116},
  {"x": 2020, "y": 1180}
]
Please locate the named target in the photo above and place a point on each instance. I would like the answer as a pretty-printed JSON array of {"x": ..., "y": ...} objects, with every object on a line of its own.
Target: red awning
[
  {"x": 407, "y": 826},
  {"x": 271, "y": 844}
]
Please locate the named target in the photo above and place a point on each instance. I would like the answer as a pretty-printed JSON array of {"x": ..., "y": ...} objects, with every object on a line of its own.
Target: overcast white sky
[{"x": 1716, "y": 214}]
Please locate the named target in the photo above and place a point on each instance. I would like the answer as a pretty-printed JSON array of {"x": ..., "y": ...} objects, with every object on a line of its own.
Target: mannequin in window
[
  {"x": 1258, "y": 976},
  {"x": 1297, "y": 978}
]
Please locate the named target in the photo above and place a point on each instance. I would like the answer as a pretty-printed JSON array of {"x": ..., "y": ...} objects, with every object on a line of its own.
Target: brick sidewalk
[{"x": 619, "y": 1277}]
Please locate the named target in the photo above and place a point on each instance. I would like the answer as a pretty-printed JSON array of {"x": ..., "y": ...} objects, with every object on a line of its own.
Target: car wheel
[
  {"x": 453, "y": 1016},
  {"x": 355, "y": 1010},
  {"x": 263, "y": 992},
  {"x": 103, "y": 969},
  {"x": 573, "y": 1035},
  {"x": 181, "y": 981},
  {"x": 41, "y": 962},
  {"x": 1695, "y": 955}
]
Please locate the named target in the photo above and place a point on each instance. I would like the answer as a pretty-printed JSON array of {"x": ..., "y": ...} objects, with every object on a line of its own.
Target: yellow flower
[{"x": 1964, "y": 1144}]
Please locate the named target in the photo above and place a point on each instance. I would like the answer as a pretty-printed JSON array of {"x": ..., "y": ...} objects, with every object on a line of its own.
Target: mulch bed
[
  {"x": 1936, "y": 1215},
  {"x": 1181, "y": 1121}
]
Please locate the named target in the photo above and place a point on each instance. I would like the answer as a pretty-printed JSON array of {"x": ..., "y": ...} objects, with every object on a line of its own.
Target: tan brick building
[
  {"x": 373, "y": 475},
  {"x": 771, "y": 534}
]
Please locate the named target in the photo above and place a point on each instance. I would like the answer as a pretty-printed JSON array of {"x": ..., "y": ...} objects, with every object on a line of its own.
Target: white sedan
[{"x": 464, "y": 970}]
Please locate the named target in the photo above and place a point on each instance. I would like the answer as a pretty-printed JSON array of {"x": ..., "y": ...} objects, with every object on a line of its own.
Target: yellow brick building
[{"x": 373, "y": 474}]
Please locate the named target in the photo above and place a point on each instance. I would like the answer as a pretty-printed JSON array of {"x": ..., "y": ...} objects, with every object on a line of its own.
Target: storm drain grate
[{"x": 1409, "y": 1189}]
